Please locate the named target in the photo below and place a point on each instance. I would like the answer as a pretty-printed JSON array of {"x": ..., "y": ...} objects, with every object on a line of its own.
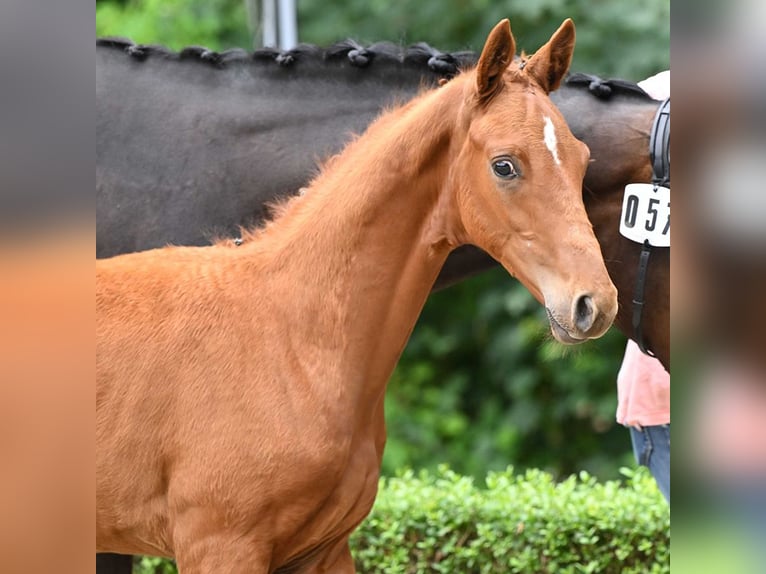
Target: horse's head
[{"x": 523, "y": 201}]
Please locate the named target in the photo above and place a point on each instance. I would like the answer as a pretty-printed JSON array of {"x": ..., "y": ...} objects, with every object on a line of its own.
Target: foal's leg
[
  {"x": 203, "y": 546},
  {"x": 337, "y": 560},
  {"x": 236, "y": 557},
  {"x": 216, "y": 554}
]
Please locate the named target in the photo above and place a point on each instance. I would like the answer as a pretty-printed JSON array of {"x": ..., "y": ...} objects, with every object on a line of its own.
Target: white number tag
[{"x": 646, "y": 214}]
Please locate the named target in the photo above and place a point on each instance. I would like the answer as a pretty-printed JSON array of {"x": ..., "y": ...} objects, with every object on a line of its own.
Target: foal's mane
[{"x": 420, "y": 54}]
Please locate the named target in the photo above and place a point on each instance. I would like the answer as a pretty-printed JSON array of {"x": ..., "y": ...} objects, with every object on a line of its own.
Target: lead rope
[
  {"x": 659, "y": 154},
  {"x": 638, "y": 298}
]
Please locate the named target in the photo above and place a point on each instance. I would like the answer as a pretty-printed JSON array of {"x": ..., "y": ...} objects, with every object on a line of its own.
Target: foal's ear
[
  {"x": 497, "y": 54},
  {"x": 551, "y": 62}
]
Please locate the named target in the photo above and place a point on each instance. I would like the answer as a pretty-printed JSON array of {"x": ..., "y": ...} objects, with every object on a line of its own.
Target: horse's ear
[
  {"x": 550, "y": 63},
  {"x": 497, "y": 54}
]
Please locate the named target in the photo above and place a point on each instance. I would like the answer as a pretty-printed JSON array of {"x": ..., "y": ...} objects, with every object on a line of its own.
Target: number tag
[{"x": 646, "y": 214}]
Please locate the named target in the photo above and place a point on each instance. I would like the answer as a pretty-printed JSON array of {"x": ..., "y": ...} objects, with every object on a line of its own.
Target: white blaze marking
[{"x": 549, "y": 135}]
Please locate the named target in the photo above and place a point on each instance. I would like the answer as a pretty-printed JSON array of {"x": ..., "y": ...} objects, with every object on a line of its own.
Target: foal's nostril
[{"x": 584, "y": 313}]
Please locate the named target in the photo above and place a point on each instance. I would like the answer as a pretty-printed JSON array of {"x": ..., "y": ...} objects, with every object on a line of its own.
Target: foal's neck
[{"x": 363, "y": 246}]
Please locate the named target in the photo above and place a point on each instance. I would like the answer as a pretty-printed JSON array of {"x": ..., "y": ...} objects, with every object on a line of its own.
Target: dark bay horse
[
  {"x": 193, "y": 145},
  {"x": 239, "y": 387}
]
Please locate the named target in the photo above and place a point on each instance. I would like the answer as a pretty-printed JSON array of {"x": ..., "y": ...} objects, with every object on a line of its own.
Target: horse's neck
[
  {"x": 362, "y": 248},
  {"x": 261, "y": 95},
  {"x": 617, "y": 132},
  {"x": 621, "y": 134}
]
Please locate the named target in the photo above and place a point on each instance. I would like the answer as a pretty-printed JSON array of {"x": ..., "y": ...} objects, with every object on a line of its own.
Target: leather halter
[
  {"x": 659, "y": 154},
  {"x": 659, "y": 145}
]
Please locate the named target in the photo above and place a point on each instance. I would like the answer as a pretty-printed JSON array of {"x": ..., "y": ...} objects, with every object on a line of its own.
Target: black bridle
[{"x": 659, "y": 153}]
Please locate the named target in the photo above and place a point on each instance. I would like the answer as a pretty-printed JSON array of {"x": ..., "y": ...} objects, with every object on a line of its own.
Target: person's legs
[{"x": 651, "y": 445}]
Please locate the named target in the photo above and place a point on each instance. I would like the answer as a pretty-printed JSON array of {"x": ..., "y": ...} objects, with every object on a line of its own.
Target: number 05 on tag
[{"x": 646, "y": 214}]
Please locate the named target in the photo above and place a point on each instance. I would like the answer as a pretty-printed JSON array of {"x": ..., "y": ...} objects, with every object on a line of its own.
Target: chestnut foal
[{"x": 239, "y": 398}]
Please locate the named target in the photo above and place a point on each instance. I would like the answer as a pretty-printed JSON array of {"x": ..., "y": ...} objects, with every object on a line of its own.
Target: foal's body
[{"x": 238, "y": 433}]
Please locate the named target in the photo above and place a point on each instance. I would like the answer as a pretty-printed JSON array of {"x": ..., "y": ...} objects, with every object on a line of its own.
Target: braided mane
[
  {"x": 445, "y": 64},
  {"x": 421, "y": 54},
  {"x": 605, "y": 89}
]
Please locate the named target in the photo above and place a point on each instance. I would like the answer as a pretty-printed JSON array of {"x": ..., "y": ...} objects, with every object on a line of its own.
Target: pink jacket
[{"x": 643, "y": 390}]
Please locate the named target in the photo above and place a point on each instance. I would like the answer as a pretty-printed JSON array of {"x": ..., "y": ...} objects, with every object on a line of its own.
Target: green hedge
[
  {"x": 526, "y": 523},
  {"x": 518, "y": 523}
]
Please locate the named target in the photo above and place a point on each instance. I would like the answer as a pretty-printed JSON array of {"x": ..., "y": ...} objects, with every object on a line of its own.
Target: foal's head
[{"x": 523, "y": 201}]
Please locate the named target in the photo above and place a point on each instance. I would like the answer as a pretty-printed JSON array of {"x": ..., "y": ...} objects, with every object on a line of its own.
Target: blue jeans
[{"x": 651, "y": 445}]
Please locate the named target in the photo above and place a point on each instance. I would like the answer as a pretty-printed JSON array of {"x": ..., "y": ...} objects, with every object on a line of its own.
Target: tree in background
[
  {"x": 217, "y": 24},
  {"x": 615, "y": 38},
  {"x": 480, "y": 385}
]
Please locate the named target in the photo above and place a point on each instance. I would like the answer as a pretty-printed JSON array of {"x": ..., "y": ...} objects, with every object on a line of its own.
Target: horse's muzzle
[{"x": 586, "y": 321}]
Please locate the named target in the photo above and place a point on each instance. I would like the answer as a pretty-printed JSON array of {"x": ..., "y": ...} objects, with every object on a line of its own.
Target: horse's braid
[
  {"x": 443, "y": 64},
  {"x": 137, "y": 51},
  {"x": 285, "y": 59},
  {"x": 360, "y": 57},
  {"x": 600, "y": 88}
]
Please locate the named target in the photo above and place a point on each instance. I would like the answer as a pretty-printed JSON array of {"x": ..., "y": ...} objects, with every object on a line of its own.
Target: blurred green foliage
[
  {"x": 216, "y": 24},
  {"x": 619, "y": 38},
  {"x": 480, "y": 385}
]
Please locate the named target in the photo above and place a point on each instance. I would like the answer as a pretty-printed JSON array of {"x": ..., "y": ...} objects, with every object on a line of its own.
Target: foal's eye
[{"x": 504, "y": 168}]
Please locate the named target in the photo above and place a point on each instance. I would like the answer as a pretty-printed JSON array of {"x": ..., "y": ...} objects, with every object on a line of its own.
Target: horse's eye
[{"x": 504, "y": 169}]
